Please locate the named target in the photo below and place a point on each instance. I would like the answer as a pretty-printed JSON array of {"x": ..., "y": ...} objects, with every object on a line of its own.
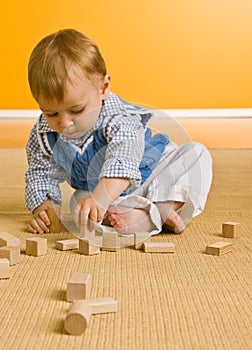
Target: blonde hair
[{"x": 56, "y": 57}]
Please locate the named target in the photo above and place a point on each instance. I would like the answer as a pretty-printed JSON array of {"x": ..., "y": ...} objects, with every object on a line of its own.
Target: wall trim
[
  {"x": 19, "y": 113},
  {"x": 175, "y": 113}
]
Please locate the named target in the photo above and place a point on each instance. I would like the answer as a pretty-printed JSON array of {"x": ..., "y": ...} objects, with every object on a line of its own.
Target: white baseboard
[
  {"x": 19, "y": 113},
  {"x": 210, "y": 113},
  {"x": 162, "y": 113}
]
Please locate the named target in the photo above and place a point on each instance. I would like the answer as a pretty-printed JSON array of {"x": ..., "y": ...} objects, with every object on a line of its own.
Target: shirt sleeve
[
  {"x": 42, "y": 177},
  {"x": 125, "y": 149}
]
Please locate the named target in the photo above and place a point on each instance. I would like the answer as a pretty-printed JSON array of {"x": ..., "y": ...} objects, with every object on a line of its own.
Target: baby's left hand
[{"x": 88, "y": 213}]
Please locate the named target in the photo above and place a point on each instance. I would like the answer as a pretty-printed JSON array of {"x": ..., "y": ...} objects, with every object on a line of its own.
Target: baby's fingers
[
  {"x": 44, "y": 217},
  {"x": 31, "y": 229},
  {"x": 36, "y": 225},
  {"x": 80, "y": 215},
  {"x": 83, "y": 217}
]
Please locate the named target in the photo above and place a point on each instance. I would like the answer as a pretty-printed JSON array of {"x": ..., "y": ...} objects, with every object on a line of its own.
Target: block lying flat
[
  {"x": 4, "y": 268},
  {"x": 7, "y": 239},
  {"x": 67, "y": 244},
  {"x": 126, "y": 240},
  {"x": 78, "y": 286},
  {"x": 103, "y": 305},
  {"x": 231, "y": 229},
  {"x": 110, "y": 241},
  {"x": 140, "y": 239},
  {"x": 159, "y": 247},
  {"x": 219, "y": 248}
]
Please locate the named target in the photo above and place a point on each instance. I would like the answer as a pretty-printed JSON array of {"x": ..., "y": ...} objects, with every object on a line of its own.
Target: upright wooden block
[
  {"x": 159, "y": 247},
  {"x": 78, "y": 286},
  {"x": 67, "y": 244},
  {"x": 231, "y": 229},
  {"x": 219, "y": 248},
  {"x": 77, "y": 317},
  {"x": 90, "y": 246},
  {"x": 86, "y": 233},
  {"x": 36, "y": 246},
  {"x": 110, "y": 241},
  {"x": 7, "y": 239},
  {"x": 53, "y": 214},
  {"x": 103, "y": 305},
  {"x": 12, "y": 253},
  {"x": 4, "y": 268},
  {"x": 140, "y": 239}
]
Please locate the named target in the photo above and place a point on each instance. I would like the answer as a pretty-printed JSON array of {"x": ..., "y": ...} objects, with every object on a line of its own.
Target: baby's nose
[{"x": 65, "y": 122}]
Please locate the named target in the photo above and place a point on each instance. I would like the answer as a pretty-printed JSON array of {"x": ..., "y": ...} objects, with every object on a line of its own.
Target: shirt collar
[{"x": 43, "y": 126}]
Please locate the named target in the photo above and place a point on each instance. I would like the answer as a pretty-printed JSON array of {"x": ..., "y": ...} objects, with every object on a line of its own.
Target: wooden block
[
  {"x": 4, "y": 268},
  {"x": 159, "y": 247},
  {"x": 77, "y": 317},
  {"x": 7, "y": 239},
  {"x": 90, "y": 246},
  {"x": 78, "y": 286},
  {"x": 219, "y": 248},
  {"x": 126, "y": 240},
  {"x": 53, "y": 214},
  {"x": 110, "y": 241},
  {"x": 103, "y": 305},
  {"x": 12, "y": 253},
  {"x": 36, "y": 246},
  {"x": 140, "y": 239},
  {"x": 67, "y": 244},
  {"x": 86, "y": 233},
  {"x": 231, "y": 229}
]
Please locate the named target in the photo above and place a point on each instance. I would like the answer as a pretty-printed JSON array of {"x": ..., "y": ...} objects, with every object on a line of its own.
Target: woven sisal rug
[{"x": 186, "y": 300}]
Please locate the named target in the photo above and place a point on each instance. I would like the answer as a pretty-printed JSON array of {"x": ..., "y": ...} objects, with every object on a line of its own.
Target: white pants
[{"x": 183, "y": 174}]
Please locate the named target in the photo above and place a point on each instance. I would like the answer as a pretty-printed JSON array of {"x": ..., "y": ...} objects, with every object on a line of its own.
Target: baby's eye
[
  {"x": 52, "y": 114},
  {"x": 77, "y": 111}
]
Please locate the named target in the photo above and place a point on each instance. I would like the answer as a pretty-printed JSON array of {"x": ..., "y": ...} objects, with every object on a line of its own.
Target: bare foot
[
  {"x": 172, "y": 222},
  {"x": 129, "y": 220}
]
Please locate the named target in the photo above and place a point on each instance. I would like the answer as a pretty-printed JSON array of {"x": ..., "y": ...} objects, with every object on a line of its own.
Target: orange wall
[{"x": 163, "y": 53}]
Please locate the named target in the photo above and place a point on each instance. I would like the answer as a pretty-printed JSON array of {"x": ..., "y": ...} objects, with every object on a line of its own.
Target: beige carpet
[{"x": 186, "y": 300}]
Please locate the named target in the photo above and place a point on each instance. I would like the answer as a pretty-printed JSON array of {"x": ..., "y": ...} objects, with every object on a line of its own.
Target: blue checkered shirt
[{"x": 124, "y": 128}]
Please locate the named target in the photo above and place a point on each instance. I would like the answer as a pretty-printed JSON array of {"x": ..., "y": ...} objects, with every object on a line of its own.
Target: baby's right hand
[{"x": 40, "y": 221}]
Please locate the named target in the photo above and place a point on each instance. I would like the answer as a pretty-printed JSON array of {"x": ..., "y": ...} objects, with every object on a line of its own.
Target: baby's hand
[
  {"x": 88, "y": 213},
  {"x": 40, "y": 221}
]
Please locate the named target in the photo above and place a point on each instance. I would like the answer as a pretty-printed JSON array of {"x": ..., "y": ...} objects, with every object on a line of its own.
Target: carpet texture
[{"x": 186, "y": 300}]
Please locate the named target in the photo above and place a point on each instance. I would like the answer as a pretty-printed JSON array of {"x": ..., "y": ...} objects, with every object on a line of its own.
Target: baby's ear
[{"x": 105, "y": 87}]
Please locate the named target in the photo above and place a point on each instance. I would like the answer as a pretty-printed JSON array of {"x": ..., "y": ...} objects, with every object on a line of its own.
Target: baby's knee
[
  {"x": 200, "y": 151},
  {"x": 203, "y": 153}
]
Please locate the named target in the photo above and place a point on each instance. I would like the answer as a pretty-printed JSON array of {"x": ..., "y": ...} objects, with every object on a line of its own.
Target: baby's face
[{"x": 79, "y": 110}]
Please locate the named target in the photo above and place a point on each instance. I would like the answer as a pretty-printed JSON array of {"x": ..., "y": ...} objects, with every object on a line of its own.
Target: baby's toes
[
  {"x": 115, "y": 221},
  {"x": 180, "y": 226}
]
